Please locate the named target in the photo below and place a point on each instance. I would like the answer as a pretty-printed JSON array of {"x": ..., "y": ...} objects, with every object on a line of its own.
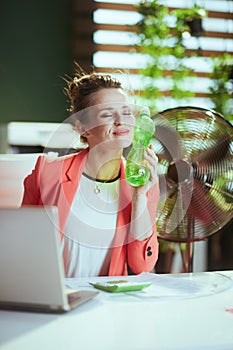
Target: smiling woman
[{"x": 106, "y": 225}]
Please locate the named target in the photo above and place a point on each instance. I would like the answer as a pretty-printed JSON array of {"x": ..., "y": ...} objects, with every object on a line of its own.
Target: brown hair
[{"x": 81, "y": 87}]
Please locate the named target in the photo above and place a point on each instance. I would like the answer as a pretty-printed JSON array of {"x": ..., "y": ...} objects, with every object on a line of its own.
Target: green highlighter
[{"x": 117, "y": 286}]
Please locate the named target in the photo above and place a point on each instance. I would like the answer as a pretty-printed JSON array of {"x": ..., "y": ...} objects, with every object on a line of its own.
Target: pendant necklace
[{"x": 99, "y": 183}]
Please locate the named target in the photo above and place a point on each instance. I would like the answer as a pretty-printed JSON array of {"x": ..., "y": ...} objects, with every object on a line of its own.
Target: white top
[{"x": 90, "y": 228}]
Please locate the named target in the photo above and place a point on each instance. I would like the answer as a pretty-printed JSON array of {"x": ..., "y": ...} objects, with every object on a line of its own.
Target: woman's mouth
[{"x": 121, "y": 132}]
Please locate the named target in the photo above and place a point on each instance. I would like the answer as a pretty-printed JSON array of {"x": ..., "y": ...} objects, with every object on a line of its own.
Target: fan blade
[
  {"x": 180, "y": 207},
  {"x": 172, "y": 211},
  {"x": 172, "y": 145},
  {"x": 201, "y": 207},
  {"x": 215, "y": 154}
]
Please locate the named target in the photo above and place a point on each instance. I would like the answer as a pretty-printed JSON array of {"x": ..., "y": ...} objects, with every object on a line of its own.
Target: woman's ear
[{"x": 78, "y": 126}]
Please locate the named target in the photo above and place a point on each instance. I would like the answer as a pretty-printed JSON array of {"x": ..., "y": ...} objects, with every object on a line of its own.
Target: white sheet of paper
[{"x": 183, "y": 285}]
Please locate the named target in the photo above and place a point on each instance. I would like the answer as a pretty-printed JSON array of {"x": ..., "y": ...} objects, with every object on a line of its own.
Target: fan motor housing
[{"x": 180, "y": 171}]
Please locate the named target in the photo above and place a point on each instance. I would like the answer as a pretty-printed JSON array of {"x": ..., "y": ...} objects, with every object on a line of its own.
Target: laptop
[{"x": 31, "y": 265}]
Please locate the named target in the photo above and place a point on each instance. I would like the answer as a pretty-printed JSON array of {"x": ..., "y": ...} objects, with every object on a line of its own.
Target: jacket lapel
[
  {"x": 118, "y": 259},
  {"x": 72, "y": 169}
]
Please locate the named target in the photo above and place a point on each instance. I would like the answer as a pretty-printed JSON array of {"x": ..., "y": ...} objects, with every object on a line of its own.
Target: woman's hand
[
  {"x": 152, "y": 164},
  {"x": 141, "y": 220}
]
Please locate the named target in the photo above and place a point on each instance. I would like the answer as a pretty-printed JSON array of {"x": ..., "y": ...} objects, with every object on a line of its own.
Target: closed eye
[
  {"x": 106, "y": 114},
  {"x": 111, "y": 113}
]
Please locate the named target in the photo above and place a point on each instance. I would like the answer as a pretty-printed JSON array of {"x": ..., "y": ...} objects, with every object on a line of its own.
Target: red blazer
[{"x": 54, "y": 183}]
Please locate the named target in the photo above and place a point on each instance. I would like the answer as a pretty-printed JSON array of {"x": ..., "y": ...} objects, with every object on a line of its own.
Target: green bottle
[{"x": 136, "y": 171}]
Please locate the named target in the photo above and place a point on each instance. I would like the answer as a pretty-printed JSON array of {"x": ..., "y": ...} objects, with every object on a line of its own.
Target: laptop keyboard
[{"x": 73, "y": 296}]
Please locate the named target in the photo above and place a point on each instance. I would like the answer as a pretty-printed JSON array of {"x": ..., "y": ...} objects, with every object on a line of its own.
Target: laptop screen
[{"x": 31, "y": 266}]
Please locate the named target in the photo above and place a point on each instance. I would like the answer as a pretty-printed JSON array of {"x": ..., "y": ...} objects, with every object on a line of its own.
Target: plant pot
[
  {"x": 231, "y": 73},
  {"x": 195, "y": 26}
]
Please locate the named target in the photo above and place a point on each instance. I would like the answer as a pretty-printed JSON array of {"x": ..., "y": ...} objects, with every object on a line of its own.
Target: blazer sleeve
[
  {"x": 143, "y": 255},
  {"x": 31, "y": 183}
]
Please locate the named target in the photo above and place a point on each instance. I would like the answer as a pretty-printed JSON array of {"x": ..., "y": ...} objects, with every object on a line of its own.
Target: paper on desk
[{"x": 165, "y": 286}]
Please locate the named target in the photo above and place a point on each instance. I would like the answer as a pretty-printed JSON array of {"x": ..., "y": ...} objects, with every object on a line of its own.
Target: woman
[{"x": 107, "y": 227}]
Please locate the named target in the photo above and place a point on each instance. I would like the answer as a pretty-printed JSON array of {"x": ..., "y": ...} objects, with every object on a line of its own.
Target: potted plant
[
  {"x": 190, "y": 19},
  {"x": 221, "y": 89}
]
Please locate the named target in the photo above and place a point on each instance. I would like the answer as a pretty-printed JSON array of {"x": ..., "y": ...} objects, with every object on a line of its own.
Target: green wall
[{"x": 35, "y": 53}]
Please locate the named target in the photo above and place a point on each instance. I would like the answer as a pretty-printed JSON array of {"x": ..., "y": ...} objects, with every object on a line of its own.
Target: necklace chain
[{"x": 98, "y": 183}]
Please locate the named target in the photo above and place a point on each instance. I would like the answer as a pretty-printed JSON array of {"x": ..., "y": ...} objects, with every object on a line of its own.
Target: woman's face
[{"x": 110, "y": 120}]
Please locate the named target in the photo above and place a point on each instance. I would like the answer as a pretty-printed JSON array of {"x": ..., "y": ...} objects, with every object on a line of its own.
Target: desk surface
[{"x": 137, "y": 321}]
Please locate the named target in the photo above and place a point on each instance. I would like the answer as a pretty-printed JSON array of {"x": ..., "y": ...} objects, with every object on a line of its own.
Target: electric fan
[{"x": 195, "y": 165}]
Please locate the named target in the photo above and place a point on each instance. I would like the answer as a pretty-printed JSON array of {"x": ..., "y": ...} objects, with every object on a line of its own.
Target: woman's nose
[{"x": 118, "y": 118}]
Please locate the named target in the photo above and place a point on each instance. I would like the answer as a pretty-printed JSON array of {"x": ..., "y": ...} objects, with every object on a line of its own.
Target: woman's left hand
[
  {"x": 152, "y": 164},
  {"x": 141, "y": 220}
]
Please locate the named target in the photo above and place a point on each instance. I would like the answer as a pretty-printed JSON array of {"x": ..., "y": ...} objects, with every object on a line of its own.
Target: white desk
[{"x": 127, "y": 322}]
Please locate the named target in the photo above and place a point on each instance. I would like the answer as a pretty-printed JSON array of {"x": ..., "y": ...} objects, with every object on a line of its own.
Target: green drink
[{"x": 136, "y": 172}]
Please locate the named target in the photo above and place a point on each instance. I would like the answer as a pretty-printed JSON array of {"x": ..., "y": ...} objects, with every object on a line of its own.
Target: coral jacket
[{"x": 54, "y": 182}]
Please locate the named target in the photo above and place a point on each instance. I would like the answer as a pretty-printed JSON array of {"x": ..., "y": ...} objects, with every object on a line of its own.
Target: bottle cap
[{"x": 145, "y": 110}]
